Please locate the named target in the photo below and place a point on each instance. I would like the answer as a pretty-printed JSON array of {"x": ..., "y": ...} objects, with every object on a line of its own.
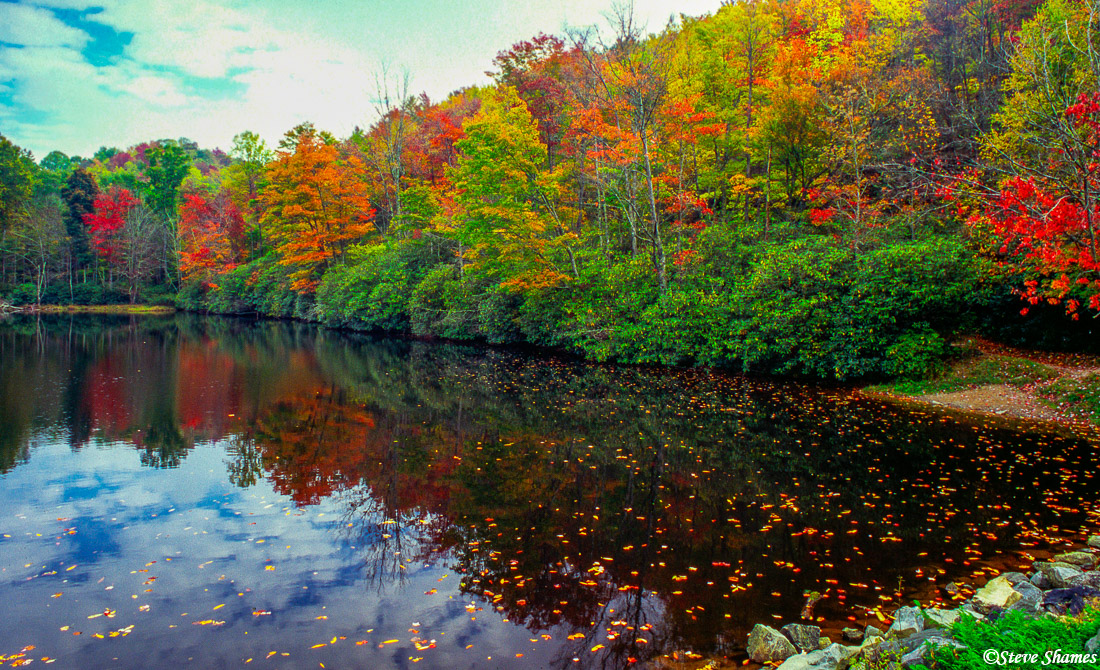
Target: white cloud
[
  {"x": 35, "y": 27},
  {"x": 285, "y": 61}
]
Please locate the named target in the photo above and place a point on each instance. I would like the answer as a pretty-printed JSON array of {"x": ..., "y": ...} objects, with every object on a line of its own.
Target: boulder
[
  {"x": 1031, "y": 597},
  {"x": 1040, "y": 581},
  {"x": 767, "y": 645},
  {"x": 1015, "y": 578},
  {"x": 852, "y": 635},
  {"x": 1057, "y": 573},
  {"x": 998, "y": 593},
  {"x": 1089, "y": 579},
  {"x": 971, "y": 612},
  {"x": 1094, "y": 541},
  {"x": 871, "y": 632},
  {"x": 1070, "y": 600},
  {"x": 896, "y": 650},
  {"x": 936, "y": 618},
  {"x": 919, "y": 656},
  {"x": 833, "y": 657},
  {"x": 1093, "y": 645},
  {"x": 922, "y": 654},
  {"x": 804, "y": 638},
  {"x": 1081, "y": 559},
  {"x": 907, "y": 621}
]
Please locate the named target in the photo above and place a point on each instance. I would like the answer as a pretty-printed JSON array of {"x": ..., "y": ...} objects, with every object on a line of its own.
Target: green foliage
[
  {"x": 1080, "y": 396},
  {"x": 811, "y": 307},
  {"x": 372, "y": 292},
  {"x": 168, "y": 165},
  {"x": 24, "y": 294},
  {"x": 17, "y": 171},
  {"x": 916, "y": 354},
  {"x": 427, "y": 306},
  {"x": 978, "y": 371},
  {"x": 1015, "y": 632},
  {"x": 496, "y": 316},
  {"x": 87, "y": 293}
]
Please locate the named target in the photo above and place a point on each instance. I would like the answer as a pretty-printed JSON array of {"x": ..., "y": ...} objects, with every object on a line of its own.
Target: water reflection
[{"x": 615, "y": 514}]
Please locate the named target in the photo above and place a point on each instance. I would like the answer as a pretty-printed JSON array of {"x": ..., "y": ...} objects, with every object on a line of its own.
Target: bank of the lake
[
  {"x": 1046, "y": 617},
  {"x": 92, "y": 309},
  {"x": 991, "y": 378}
]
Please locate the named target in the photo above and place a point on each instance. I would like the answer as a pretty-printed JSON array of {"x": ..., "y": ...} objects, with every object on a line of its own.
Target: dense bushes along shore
[{"x": 801, "y": 306}]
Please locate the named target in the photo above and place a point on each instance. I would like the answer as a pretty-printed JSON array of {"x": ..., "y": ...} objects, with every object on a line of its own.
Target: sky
[{"x": 79, "y": 74}]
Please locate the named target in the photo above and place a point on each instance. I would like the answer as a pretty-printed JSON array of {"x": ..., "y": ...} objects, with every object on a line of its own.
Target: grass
[
  {"x": 1078, "y": 397},
  {"x": 104, "y": 309},
  {"x": 1015, "y": 632},
  {"x": 974, "y": 371}
]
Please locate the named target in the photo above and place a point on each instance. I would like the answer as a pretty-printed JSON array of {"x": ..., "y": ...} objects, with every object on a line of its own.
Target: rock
[
  {"x": 951, "y": 589},
  {"x": 823, "y": 642},
  {"x": 767, "y": 645},
  {"x": 804, "y": 638},
  {"x": 1015, "y": 578},
  {"x": 1031, "y": 597},
  {"x": 1069, "y": 600},
  {"x": 998, "y": 593},
  {"x": 971, "y": 612},
  {"x": 897, "y": 650},
  {"x": 801, "y": 662},
  {"x": 922, "y": 653},
  {"x": 1040, "y": 581},
  {"x": 918, "y": 656},
  {"x": 907, "y": 621},
  {"x": 1089, "y": 579},
  {"x": 1093, "y": 645},
  {"x": 1094, "y": 541},
  {"x": 935, "y": 618},
  {"x": 1058, "y": 573},
  {"x": 833, "y": 657},
  {"x": 872, "y": 632},
  {"x": 1081, "y": 559},
  {"x": 852, "y": 634}
]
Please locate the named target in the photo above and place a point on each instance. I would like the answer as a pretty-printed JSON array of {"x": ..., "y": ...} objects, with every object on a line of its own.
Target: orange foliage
[{"x": 316, "y": 205}]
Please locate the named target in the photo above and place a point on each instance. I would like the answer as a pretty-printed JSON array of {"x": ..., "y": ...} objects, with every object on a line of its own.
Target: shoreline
[
  {"x": 93, "y": 309},
  {"x": 1062, "y": 587},
  {"x": 991, "y": 380}
]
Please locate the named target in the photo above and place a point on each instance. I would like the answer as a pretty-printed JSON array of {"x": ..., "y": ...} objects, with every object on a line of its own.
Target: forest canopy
[{"x": 833, "y": 188}]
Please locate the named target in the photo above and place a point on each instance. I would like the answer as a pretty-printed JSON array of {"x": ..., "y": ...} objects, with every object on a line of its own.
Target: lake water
[{"x": 210, "y": 492}]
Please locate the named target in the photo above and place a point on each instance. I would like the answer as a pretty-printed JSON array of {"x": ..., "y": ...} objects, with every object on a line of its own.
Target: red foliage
[
  {"x": 211, "y": 236},
  {"x": 107, "y": 220}
]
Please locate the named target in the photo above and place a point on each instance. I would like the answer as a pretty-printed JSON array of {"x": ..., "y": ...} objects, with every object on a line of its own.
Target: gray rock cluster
[{"x": 1060, "y": 586}]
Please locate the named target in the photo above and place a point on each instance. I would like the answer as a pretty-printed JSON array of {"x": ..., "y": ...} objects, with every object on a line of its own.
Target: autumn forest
[{"x": 828, "y": 188}]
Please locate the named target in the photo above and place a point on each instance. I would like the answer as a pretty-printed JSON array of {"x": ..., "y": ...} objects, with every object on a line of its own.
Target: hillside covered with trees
[{"x": 831, "y": 188}]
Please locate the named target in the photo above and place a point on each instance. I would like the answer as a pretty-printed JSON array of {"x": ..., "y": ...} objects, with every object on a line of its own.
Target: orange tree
[{"x": 316, "y": 205}]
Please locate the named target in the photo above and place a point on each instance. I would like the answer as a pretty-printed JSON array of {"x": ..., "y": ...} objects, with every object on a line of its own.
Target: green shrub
[
  {"x": 24, "y": 294},
  {"x": 1016, "y": 633},
  {"x": 497, "y": 316},
  {"x": 427, "y": 305},
  {"x": 916, "y": 354}
]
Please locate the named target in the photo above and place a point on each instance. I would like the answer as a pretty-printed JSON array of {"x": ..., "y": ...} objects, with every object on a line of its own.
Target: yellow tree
[
  {"x": 510, "y": 218},
  {"x": 315, "y": 205}
]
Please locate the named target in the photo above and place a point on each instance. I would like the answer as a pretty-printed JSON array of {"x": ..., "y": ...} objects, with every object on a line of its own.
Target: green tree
[
  {"x": 168, "y": 165},
  {"x": 510, "y": 218},
  {"x": 79, "y": 194}
]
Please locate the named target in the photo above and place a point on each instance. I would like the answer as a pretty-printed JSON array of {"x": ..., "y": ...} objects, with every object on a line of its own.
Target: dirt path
[
  {"x": 999, "y": 399},
  {"x": 1018, "y": 400}
]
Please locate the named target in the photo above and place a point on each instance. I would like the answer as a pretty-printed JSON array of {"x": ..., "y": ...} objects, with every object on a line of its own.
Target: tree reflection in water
[{"x": 637, "y": 511}]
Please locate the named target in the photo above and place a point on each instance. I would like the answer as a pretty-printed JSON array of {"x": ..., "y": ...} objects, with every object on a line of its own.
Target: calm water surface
[{"x": 205, "y": 492}]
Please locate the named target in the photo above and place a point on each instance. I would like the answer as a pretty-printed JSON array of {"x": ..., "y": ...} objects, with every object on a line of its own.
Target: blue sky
[{"x": 79, "y": 74}]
